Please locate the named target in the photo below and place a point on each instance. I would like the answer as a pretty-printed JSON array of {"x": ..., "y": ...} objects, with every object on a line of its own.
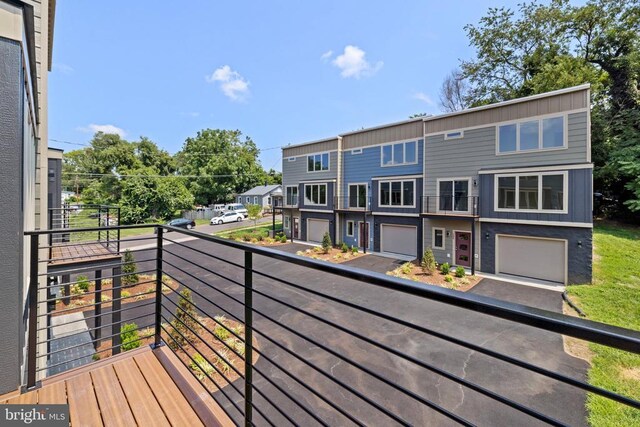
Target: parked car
[
  {"x": 182, "y": 223},
  {"x": 237, "y": 207},
  {"x": 227, "y": 217}
]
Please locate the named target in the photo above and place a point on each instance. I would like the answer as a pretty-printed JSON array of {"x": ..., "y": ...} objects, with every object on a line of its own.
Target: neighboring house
[
  {"x": 264, "y": 195},
  {"x": 26, "y": 35},
  {"x": 66, "y": 195},
  {"x": 503, "y": 188}
]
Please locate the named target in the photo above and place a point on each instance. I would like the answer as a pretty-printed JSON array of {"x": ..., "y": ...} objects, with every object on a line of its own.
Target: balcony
[
  {"x": 450, "y": 206},
  {"x": 352, "y": 204},
  {"x": 243, "y": 334}
]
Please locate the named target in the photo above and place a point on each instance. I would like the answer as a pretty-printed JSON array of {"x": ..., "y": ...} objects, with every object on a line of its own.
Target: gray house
[{"x": 266, "y": 196}]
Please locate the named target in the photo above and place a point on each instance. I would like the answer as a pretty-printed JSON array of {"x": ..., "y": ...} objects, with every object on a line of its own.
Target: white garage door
[
  {"x": 399, "y": 239},
  {"x": 534, "y": 258},
  {"x": 316, "y": 229}
]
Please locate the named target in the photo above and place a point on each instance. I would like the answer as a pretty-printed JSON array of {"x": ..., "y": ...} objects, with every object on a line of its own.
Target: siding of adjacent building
[
  {"x": 295, "y": 172},
  {"x": 383, "y": 134}
]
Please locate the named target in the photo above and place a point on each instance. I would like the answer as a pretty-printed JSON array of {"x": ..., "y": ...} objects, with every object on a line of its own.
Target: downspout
[{"x": 338, "y": 192}]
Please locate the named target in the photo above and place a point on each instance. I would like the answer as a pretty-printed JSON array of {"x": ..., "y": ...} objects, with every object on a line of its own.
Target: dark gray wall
[
  {"x": 400, "y": 220},
  {"x": 417, "y": 194},
  {"x": 580, "y": 200},
  {"x": 319, "y": 215},
  {"x": 11, "y": 220},
  {"x": 330, "y": 196},
  {"x": 579, "y": 257},
  {"x": 54, "y": 189}
]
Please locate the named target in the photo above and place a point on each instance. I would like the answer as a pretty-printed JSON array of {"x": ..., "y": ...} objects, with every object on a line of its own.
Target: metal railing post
[
  {"x": 97, "y": 311},
  {"x": 33, "y": 314},
  {"x": 118, "y": 224},
  {"x": 248, "y": 338},
  {"x": 158, "y": 306}
]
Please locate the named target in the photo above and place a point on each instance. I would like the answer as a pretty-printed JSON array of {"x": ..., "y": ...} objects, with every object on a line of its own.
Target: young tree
[
  {"x": 184, "y": 322},
  {"x": 326, "y": 242},
  {"x": 255, "y": 213},
  {"x": 129, "y": 269},
  {"x": 428, "y": 263}
]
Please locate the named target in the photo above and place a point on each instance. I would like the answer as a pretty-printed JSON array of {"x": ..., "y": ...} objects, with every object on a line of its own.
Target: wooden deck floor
[
  {"x": 142, "y": 387},
  {"x": 68, "y": 253}
]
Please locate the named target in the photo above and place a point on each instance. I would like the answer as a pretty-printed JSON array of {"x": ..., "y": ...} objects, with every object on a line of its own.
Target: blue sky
[{"x": 280, "y": 71}]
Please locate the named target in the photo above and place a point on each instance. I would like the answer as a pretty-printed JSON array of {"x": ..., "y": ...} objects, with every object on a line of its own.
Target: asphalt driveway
[{"x": 308, "y": 338}]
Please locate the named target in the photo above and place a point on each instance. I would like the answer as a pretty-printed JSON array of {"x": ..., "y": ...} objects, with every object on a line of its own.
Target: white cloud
[
  {"x": 325, "y": 56},
  {"x": 353, "y": 63},
  {"x": 232, "y": 84},
  {"x": 424, "y": 98},
  {"x": 63, "y": 68},
  {"x": 93, "y": 128}
]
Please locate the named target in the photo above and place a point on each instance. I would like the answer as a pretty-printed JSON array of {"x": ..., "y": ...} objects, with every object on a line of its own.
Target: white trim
[
  {"x": 565, "y": 192},
  {"x": 472, "y": 250},
  {"x": 255, "y": 200},
  {"x": 395, "y": 177},
  {"x": 315, "y": 181},
  {"x": 401, "y": 205},
  {"x": 316, "y": 210},
  {"x": 326, "y": 195},
  {"x": 418, "y": 139},
  {"x": 328, "y": 169},
  {"x": 448, "y": 138},
  {"x": 366, "y": 195},
  {"x": 402, "y": 122},
  {"x": 539, "y": 119},
  {"x": 395, "y": 214},
  {"x": 404, "y": 143},
  {"x": 291, "y": 159},
  {"x": 558, "y": 168},
  {"x": 297, "y": 195},
  {"x": 469, "y": 191},
  {"x": 316, "y": 141},
  {"x": 535, "y": 222},
  {"x": 517, "y": 236},
  {"x": 511, "y": 101},
  {"x": 398, "y": 225},
  {"x": 352, "y": 228},
  {"x": 589, "y": 127},
  {"x": 356, "y": 151},
  {"x": 433, "y": 238}
]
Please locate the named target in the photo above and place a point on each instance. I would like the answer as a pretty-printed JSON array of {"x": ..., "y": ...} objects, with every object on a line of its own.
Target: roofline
[
  {"x": 510, "y": 102},
  {"x": 383, "y": 126},
  {"x": 52, "y": 20},
  {"x": 261, "y": 194},
  {"x": 317, "y": 141}
]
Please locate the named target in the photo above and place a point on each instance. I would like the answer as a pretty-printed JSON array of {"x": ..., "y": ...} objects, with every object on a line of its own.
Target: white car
[
  {"x": 237, "y": 207},
  {"x": 227, "y": 217}
]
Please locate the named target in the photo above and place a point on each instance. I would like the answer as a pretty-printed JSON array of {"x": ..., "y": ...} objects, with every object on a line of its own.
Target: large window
[
  {"x": 531, "y": 135},
  {"x": 318, "y": 162},
  {"x": 315, "y": 194},
  {"x": 292, "y": 196},
  {"x": 358, "y": 196},
  {"x": 397, "y": 193},
  {"x": 532, "y": 192},
  {"x": 402, "y": 153},
  {"x": 453, "y": 195}
]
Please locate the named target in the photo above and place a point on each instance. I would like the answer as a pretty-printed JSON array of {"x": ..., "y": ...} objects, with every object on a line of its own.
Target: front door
[
  {"x": 364, "y": 235},
  {"x": 296, "y": 227},
  {"x": 463, "y": 248}
]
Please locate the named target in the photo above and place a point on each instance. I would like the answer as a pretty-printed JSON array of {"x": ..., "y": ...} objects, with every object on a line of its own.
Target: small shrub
[
  {"x": 354, "y": 250},
  {"x": 246, "y": 237},
  {"x": 96, "y": 356},
  {"x": 344, "y": 247},
  {"x": 445, "y": 268},
  {"x": 448, "y": 278},
  {"x": 428, "y": 263},
  {"x": 460, "y": 272},
  {"x": 83, "y": 283},
  {"x": 346, "y": 256},
  {"x": 326, "y": 242},
  {"x": 125, "y": 294},
  {"x": 238, "y": 330},
  {"x": 300, "y": 253},
  {"x": 283, "y": 239},
  {"x": 129, "y": 269},
  {"x": 259, "y": 237},
  {"x": 200, "y": 367},
  {"x": 184, "y": 322},
  {"x": 464, "y": 281},
  {"x": 221, "y": 332},
  {"x": 105, "y": 298},
  {"x": 223, "y": 361},
  {"x": 406, "y": 268},
  {"x": 253, "y": 240},
  {"x": 129, "y": 336},
  {"x": 318, "y": 249}
]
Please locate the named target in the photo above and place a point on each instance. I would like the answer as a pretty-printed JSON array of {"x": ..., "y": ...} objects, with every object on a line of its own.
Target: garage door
[
  {"x": 533, "y": 258},
  {"x": 399, "y": 239},
  {"x": 316, "y": 229}
]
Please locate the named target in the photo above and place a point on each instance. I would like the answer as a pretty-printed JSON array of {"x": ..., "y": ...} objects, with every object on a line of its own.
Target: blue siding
[{"x": 356, "y": 218}]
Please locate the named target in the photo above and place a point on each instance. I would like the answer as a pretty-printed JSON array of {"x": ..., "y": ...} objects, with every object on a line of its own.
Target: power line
[
  {"x": 183, "y": 154},
  {"x": 146, "y": 176}
]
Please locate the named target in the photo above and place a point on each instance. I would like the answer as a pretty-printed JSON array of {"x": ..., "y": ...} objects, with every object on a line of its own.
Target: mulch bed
[
  {"x": 413, "y": 272},
  {"x": 334, "y": 255}
]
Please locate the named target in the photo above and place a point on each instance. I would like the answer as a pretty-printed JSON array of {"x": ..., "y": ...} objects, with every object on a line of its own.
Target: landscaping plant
[
  {"x": 344, "y": 248},
  {"x": 428, "y": 263},
  {"x": 129, "y": 336},
  {"x": 83, "y": 284},
  {"x": 255, "y": 213},
  {"x": 326, "y": 242},
  {"x": 445, "y": 268},
  {"x": 460, "y": 272},
  {"x": 129, "y": 269},
  {"x": 184, "y": 322}
]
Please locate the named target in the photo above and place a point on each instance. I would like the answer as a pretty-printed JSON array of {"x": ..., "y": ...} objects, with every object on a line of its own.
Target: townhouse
[{"x": 503, "y": 189}]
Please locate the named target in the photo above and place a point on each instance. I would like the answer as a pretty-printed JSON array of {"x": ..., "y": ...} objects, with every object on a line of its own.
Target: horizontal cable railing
[
  {"x": 72, "y": 217},
  {"x": 280, "y": 339},
  {"x": 451, "y": 204}
]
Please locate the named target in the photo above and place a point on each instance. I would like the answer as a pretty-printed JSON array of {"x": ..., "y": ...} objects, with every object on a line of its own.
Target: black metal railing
[
  {"x": 362, "y": 204},
  {"x": 451, "y": 205},
  {"x": 278, "y": 338},
  {"x": 101, "y": 219}
]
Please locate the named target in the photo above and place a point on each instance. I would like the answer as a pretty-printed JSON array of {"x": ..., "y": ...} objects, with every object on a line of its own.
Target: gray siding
[
  {"x": 295, "y": 172},
  {"x": 319, "y": 215},
  {"x": 312, "y": 147},
  {"x": 579, "y": 257},
  {"x": 580, "y": 199},
  {"x": 11, "y": 220},
  {"x": 384, "y": 134},
  {"x": 54, "y": 189},
  {"x": 400, "y": 220},
  {"x": 446, "y": 254}
]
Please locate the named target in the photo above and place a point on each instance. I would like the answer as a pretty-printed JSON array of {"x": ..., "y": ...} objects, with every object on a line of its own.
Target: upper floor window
[
  {"x": 292, "y": 196},
  {"x": 453, "y": 195},
  {"x": 318, "y": 162},
  {"x": 291, "y": 159},
  {"x": 401, "y": 153},
  {"x": 454, "y": 135},
  {"x": 532, "y": 192},
  {"x": 531, "y": 135},
  {"x": 315, "y": 194},
  {"x": 357, "y": 195},
  {"x": 397, "y": 193}
]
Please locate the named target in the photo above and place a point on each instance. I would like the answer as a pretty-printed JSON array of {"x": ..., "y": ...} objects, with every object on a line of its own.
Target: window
[
  {"x": 532, "y": 192},
  {"x": 255, "y": 200},
  {"x": 402, "y": 153},
  {"x": 437, "y": 238},
  {"x": 315, "y": 194},
  {"x": 454, "y": 135},
  {"x": 292, "y": 196},
  {"x": 350, "y": 232},
  {"x": 358, "y": 196},
  {"x": 239, "y": 199},
  {"x": 531, "y": 135},
  {"x": 397, "y": 193},
  {"x": 453, "y": 195},
  {"x": 269, "y": 201},
  {"x": 247, "y": 199},
  {"x": 286, "y": 222},
  {"x": 357, "y": 151},
  {"x": 318, "y": 162},
  {"x": 291, "y": 159}
]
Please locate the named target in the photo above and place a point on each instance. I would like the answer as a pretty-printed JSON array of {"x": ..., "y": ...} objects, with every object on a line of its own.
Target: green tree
[
  {"x": 255, "y": 213},
  {"x": 326, "y": 242},
  {"x": 184, "y": 322},
  {"x": 428, "y": 262},
  {"x": 129, "y": 269}
]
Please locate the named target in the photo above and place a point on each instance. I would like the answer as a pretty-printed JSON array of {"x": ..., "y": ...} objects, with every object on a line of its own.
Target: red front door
[
  {"x": 296, "y": 226},
  {"x": 463, "y": 248},
  {"x": 364, "y": 235}
]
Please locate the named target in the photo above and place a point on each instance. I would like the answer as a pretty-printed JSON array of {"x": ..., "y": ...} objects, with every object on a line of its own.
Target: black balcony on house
[
  {"x": 352, "y": 204},
  {"x": 451, "y": 206}
]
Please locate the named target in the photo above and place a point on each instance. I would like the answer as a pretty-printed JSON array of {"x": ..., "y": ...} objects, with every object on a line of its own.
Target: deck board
[
  {"x": 113, "y": 404},
  {"x": 64, "y": 254},
  {"x": 52, "y": 394},
  {"x": 83, "y": 405}
]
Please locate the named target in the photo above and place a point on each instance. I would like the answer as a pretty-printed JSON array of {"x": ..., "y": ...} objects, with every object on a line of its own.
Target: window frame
[
  {"x": 366, "y": 195},
  {"x": 255, "y": 200},
  {"x": 353, "y": 228},
  {"x": 328, "y": 153},
  {"x": 453, "y": 180},
  {"x": 356, "y": 151},
  {"x": 326, "y": 194},
  {"x": 286, "y": 188},
  {"x": 459, "y": 136},
  {"x": 291, "y": 159},
  {"x": 433, "y": 238},
  {"x": 401, "y": 205},
  {"x": 540, "y": 175},
  {"x": 404, "y": 156},
  {"x": 540, "y": 120}
]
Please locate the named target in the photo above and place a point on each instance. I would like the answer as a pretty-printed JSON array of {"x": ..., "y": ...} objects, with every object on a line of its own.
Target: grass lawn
[
  {"x": 613, "y": 298},
  {"x": 237, "y": 233}
]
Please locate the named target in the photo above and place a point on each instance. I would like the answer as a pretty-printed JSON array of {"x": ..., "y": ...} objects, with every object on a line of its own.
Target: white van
[{"x": 237, "y": 207}]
